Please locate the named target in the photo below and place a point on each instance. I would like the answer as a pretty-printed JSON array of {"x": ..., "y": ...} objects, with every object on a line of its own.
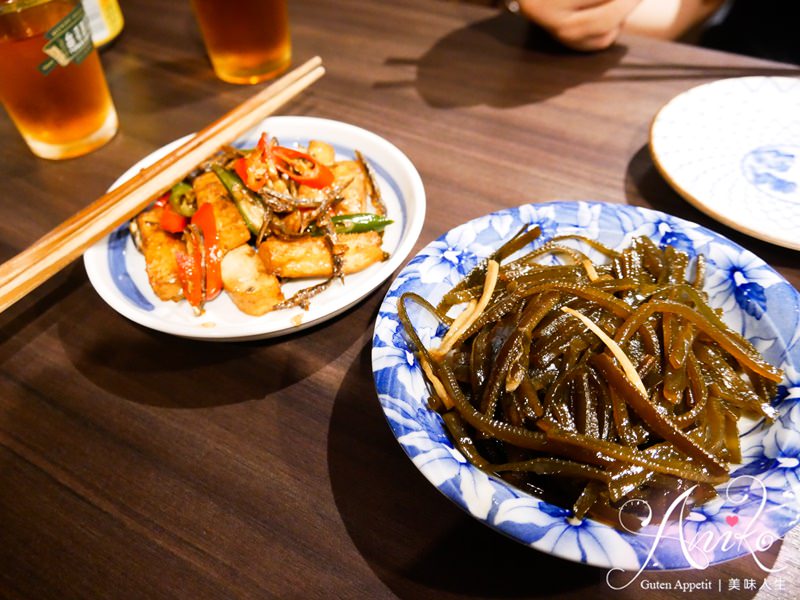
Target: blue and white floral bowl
[{"x": 759, "y": 504}]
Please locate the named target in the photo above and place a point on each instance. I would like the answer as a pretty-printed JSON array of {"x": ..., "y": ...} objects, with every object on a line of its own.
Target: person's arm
[
  {"x": 669, "y": 19},
  {"x": 580, "y": 24},
  {"x": 596, "y": 24}
]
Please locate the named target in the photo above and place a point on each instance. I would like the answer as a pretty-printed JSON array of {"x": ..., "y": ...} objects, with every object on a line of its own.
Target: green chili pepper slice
[
  {"x": 355, "y": 223},
  {"x": 248, "y": 203},
  {"x": 182, "y": 199}
]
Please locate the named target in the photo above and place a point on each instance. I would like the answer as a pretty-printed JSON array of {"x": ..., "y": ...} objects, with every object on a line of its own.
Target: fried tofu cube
[
  {"x": 350, "y": 175},
  {"x": 160, "y": 248},
  {"x": 253, "y": 290},
  {"x": 231, "y": 227},
  {"x": 322, "y": 152},
  {"x": 311, "y": 256}
]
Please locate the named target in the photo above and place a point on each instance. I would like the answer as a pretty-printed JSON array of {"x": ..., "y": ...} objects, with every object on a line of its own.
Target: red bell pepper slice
[
  {"x": 162, "y": 200},
  {"x": 199, "y": 269},
  {"x": 240, "y": 166},
  {"x": 212, "y": 256},
  {"x": 170, "y": 220},
  {"x": 190, "y": 269}
]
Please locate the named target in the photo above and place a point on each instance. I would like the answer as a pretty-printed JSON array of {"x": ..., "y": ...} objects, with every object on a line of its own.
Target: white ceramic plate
[
  {"x": 117, "y": 270},
  {"x": 732, "y": 148}
]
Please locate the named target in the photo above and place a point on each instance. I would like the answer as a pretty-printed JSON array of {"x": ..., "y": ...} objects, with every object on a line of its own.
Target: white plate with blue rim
[
  {"x": 732, "y": 149},
  {"x": 759, "y": 504},
  {"x": 116, "y": 268}
]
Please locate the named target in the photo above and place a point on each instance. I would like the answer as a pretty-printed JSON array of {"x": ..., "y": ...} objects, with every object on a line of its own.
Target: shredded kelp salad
[{"x": 591, "y": 384}]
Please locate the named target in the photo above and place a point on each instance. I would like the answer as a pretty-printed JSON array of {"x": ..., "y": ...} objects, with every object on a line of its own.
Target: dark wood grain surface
[{"x": 138, "y": 465}]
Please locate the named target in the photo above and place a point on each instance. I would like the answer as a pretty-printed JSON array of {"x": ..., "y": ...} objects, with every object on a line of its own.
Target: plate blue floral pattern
[
  {"x": 759, "y": 504},
  {"x": 117, "y": 270},
  {"x": 730, "y": 147}
]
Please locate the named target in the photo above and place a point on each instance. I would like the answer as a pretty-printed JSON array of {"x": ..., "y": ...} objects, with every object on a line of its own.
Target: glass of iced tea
[
  {"x": 247, "y": 41},
  {"x": 51, "y": 81}
]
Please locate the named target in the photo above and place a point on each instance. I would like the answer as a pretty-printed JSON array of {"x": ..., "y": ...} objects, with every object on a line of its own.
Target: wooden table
[{"x": 137, "y": 465}]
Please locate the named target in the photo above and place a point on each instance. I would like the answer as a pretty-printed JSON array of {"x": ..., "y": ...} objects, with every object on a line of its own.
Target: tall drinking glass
[
  {"x": 51, "y": 81},
  {"x": 248, "y": 40}
]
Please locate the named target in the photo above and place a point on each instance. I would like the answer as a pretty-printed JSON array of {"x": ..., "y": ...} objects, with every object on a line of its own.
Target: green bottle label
[{"x": 68, "y": 41}]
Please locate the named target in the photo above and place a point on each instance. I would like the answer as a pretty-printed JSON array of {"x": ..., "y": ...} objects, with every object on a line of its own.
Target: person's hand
[{"x": 580, "y": 24}]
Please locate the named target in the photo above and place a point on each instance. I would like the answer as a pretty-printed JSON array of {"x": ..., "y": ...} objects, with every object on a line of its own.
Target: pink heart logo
[{"x": 732, "y": 520}]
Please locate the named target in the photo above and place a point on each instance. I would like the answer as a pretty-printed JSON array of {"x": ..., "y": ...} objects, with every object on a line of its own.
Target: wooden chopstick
[{"x": 55, "y": 250}]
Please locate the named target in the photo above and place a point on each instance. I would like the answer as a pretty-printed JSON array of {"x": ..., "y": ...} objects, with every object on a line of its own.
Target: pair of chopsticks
[{"x": 58, "y": 248}]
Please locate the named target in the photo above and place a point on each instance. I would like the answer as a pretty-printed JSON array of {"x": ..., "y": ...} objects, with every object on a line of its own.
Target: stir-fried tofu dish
[{"x": 246, "y": 221}]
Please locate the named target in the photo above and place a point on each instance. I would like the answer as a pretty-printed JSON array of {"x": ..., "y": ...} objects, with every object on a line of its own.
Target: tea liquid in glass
[
  {"x": 247, "y": 41},
  {"x": 51, "y": 79}
]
